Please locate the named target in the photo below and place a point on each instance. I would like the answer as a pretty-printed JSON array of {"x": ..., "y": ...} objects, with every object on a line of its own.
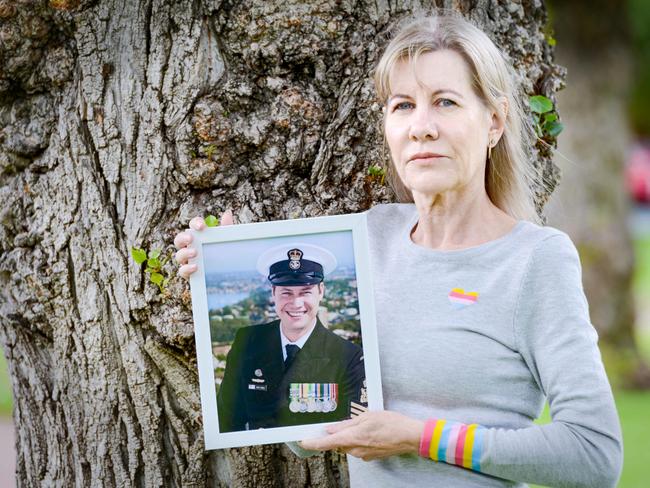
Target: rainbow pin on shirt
[{"x": 459, "y": 298}]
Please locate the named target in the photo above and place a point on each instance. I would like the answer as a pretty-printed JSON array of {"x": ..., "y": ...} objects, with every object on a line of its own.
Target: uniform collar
[{"x": 300, "y": 342}]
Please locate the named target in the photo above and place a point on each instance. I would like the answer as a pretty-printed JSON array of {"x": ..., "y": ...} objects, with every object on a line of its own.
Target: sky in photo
[{"x": 238, "y": 256}]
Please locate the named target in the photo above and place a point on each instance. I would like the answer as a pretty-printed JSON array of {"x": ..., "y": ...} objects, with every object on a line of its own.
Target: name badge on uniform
[
  {"x": 252, "y": 386},
  {"x": 313, "y": 397}
]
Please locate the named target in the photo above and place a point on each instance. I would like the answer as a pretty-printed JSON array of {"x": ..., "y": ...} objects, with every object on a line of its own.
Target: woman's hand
[
  {"x": 371, "y": 435},
  {"x": 183, "y": 240}
]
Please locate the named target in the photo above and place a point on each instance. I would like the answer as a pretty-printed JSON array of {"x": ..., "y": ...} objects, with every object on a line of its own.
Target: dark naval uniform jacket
[{"x": 254, "y": 392}]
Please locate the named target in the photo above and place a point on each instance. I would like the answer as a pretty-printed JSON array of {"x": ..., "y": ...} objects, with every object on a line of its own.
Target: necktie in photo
[{"x": 292, "y": 350}]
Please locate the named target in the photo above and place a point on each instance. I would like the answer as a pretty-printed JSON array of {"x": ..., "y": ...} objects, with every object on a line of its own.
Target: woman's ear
[{"x": 498, "y": 120}]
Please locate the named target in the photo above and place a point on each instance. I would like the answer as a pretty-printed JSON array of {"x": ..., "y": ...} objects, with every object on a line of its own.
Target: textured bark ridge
[{"x": 121, "y": 120}]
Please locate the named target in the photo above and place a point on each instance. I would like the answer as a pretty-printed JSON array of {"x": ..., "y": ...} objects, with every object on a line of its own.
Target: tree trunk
[{"x": 119, "y": 122}]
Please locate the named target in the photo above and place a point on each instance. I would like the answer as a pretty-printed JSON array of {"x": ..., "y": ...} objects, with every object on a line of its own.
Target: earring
[{"x": 490, "y": 149}]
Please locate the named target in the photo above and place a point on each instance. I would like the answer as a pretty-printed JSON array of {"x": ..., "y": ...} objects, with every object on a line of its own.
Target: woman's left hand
[{"x": 371, "y": 435}]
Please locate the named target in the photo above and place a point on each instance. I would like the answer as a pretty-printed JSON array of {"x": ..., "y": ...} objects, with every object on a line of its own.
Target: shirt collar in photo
[{"x": 300, "y": 342}]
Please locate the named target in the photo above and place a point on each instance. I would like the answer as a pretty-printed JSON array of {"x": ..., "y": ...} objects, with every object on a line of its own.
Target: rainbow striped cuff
[{"x": 453, "y": 443}]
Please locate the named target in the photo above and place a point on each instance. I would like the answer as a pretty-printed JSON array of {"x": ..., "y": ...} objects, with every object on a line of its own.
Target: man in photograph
[{"x": 292, "y": 371}]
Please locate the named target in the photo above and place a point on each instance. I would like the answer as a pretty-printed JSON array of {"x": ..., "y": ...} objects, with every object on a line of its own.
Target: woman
[{"x": 480, "y": 311}]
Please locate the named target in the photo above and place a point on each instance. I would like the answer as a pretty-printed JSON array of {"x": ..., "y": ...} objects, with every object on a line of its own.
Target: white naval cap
[{"x": 296, "y": 264}]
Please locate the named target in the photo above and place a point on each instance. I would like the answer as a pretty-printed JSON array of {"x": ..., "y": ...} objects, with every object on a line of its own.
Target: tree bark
[{"x": 122, "y": 120}]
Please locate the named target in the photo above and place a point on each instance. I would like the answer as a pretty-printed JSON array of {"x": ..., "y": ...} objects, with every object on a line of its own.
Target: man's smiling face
[{"x": 297, "y": 307}]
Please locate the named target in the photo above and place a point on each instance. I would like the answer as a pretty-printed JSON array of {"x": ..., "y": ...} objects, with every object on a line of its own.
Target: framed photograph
[{"x": 285, "y": 329}]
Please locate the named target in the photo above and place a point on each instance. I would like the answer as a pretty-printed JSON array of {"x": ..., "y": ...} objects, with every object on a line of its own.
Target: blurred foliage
[
  {"x": 638, "y": 12},
  {"x": 590, "y": 26},
  {"x": 224, "y": 331},
  {"x": 641, "y": 280}
]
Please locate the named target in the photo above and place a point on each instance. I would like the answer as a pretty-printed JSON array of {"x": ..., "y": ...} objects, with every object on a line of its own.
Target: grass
[
  {"x": 5, "y": 388},
  {"x": 633, "y": 408},
  {"x": 641, "y": 281},
  {"x": 641, "y": 288}
]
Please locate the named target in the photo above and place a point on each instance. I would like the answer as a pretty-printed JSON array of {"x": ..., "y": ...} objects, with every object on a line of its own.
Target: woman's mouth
[{"x": 424, "y": 158}]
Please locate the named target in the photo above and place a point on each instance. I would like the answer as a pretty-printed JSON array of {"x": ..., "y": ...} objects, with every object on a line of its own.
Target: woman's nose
[{"x": 423, "y": 124}]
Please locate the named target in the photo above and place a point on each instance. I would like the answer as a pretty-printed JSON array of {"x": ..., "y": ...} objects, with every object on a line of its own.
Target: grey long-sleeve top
[{"x": 483, "y": 336}]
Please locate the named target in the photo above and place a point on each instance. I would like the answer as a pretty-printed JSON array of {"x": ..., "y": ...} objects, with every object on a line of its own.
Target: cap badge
[{"x": 295, "y": 255}]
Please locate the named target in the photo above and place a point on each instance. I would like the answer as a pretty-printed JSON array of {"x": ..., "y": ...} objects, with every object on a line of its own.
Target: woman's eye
[
  {"x": 445, "y": 102},
  {"x": 403, "y": 106}
]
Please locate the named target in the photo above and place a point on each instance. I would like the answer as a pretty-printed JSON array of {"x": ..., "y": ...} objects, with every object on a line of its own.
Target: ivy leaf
[
  {"x": 211, "y": 221},
  {"x": 553, "y": 128},
  {"x": 153, "y": 254},
  {"x": 139, "y": 255},
  {"x": 549, "y": 117},
  {"x": 540, "y": 104},
  {"x": 157, "y": 278},
  {"x": 153, "y": 263}
]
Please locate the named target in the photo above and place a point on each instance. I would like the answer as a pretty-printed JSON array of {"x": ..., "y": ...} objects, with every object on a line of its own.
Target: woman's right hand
[{"x": 183, "y": 241}]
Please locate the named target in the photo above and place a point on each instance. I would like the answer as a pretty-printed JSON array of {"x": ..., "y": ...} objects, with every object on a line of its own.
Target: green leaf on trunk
[
  {"x": 211, "y": 221},
  {"x": 540, "y": 104},
  {"x": 553, "y": 128},
  {"x": 157, "y": 278},
  {"x": 139, "y": 255},
  {"x": 550, "y": 117}
]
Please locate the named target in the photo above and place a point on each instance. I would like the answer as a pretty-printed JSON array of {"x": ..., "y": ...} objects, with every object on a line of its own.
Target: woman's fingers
[
  {"x": 338, "y": 427},
  {"x": 322, "y": 443},
  {"x": 182, "y": 239},
  {"x": 197, "y": 223},
  {"x": 340, "y": 435},
  {"x": 226, "y": 218},
  {"x": 186, "y": 270},
  {"x": 184, "y": 254}
]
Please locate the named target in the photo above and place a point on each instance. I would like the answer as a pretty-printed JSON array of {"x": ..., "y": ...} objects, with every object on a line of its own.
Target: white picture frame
[{"x": 242, "y": 241}]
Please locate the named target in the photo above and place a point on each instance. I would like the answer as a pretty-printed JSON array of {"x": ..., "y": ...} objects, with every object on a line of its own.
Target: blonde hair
[{"x": 510, "y": 178}]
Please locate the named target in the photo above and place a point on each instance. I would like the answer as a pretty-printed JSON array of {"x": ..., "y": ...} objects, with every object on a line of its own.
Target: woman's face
[{"x": 436, "y": 127}]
